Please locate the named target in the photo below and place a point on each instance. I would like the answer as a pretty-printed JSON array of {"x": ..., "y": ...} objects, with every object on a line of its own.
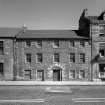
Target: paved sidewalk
[{"x": 50, "y": 83}]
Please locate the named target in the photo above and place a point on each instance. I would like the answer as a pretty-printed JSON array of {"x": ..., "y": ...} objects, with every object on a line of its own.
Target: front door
[{"x": 56, "y": 75}]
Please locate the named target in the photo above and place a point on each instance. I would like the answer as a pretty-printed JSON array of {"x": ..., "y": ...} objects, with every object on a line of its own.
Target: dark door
[{"x": 56, "y": 75}]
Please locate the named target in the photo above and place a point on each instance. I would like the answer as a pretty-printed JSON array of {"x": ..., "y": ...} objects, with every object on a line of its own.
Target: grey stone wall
[{"x": 47, "y": 65}]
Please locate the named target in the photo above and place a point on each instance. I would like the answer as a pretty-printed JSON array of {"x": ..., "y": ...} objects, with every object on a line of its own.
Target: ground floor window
[
  {"x": 40, "y": 75},
  {"x": 82, "y": 74},
  {"x": 27, "y": 74},
  {"x": 1, "y": 68},
  {"x": 72, "y": 74}
]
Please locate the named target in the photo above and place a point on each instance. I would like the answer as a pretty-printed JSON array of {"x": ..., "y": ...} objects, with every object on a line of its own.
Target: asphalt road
[{"x": 52, "y": 95}]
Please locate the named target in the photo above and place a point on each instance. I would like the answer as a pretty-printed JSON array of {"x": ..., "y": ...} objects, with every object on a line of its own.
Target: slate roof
[
  {"x": 50, "y": 34},
  {"x": 9, "y": 32}
]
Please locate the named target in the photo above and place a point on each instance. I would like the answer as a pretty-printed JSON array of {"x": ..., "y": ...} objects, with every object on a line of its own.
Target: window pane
[
  {"x": 1, "y": 47},
  {"x": 72, "y": 57},
  {"x": 28, "y": 43},
  {"x": 28, "y": 74},
  {"x": 39, "y": 57},
  {"x": 82, "y": 74},
  {"x": 82, "y": 57},
  {"x": 56, "y": 57},
  {"x": 28, "y": 57},
  {"x": 39, "y": 43},
  {"x": 56, "y": 43},
  {"x": 40, "y": 75},
  {"x": 72, "y": 74},
  {"x": 82, "y": 43},
  {"x": 1, "y": 68},
  {"x": 72, "y": 43}
]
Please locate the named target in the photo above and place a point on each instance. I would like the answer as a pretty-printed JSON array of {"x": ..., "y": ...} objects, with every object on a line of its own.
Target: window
[
  {"x": 101, "y": 52},
  {"x": 28, "y": 43},
  {"x": 28, "y": 57},
  {"x": 1, "y": 68},
  {"x": 72, "y": 74},
  {"x": 72, "y": 43},
  {"x": 55, "y": 43},
  {"x": 56, "y": 57},
  {"x": 39, "y": 58},
  {"x": 1, "y": 47},
  {"x": 82, "y": 57},
  {"x": 82, "y": 43},
  {"x": 27, "y": 74},
  {"x": 39, "y": 43},
  {"x": 72, "y": 57},
  {"x": 102, "y": 35},
  {"x": 82, "y": 74},
  {"x": 40, "y": 75}
]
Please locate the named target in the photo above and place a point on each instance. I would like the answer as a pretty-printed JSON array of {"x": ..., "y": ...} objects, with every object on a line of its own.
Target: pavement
[{"x": 51, "y": 83}]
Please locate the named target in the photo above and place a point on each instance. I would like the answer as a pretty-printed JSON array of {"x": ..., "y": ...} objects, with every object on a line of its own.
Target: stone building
[{"x": 54, "y": 55}]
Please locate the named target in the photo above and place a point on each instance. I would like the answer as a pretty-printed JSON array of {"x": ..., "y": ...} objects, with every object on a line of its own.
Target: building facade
[{"x": 54, "y": 55}]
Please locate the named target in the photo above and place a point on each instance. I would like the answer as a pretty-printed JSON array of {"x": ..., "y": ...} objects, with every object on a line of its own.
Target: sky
[{"x": 46, "y": 14}]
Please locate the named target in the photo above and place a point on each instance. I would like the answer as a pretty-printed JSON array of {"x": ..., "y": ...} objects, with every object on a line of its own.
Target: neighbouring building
[{"x": 54, "y": 55}]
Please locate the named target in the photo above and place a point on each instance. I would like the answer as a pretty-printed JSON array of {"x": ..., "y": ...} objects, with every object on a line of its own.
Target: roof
[
  {"x": 50, "y": 34},
  {"x": 9, "y": 32}
]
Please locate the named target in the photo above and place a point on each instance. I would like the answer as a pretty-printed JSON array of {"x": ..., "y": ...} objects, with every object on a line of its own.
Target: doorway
[{"x": 57, "y": 75}]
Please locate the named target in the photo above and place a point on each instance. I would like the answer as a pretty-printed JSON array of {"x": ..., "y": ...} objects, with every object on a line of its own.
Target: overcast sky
[{"x": 46, "y": 14}]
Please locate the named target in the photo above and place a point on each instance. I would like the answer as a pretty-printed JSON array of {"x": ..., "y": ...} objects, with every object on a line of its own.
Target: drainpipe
[
  {"x": 91, "y": 71},
  {"x": 14, "y": 60}
]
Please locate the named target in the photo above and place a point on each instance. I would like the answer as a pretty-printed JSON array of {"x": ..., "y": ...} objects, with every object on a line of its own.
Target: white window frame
[
  {"x": 81, "y": 76},
  {"x": 54, "y": 45},
  {"x": 70, "y": 74}
]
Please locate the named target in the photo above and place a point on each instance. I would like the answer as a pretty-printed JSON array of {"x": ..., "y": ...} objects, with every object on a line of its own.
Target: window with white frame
[
  {"x": 72, "y": 43},
  {"x": 56, "y": 57},
  {"x": 82, "y": 74},
  {"x": 72, "y": 57},
  {"x": 1, "y": 68},
  {"x": 28, "y": 57},
  {"x": 82, "y": 43},
  {"x": 40, "y": 75},
  {"x": 27, "y": 74},
  {"x": 39, "y": 57},
  {"x": 1, "y": 47},
  {"x": 28, "y": 43},
  {"x": 55, "y": 43},
  {"x": 39, "y": 43},
  {"x": 82, "y": 57},
  {"x": 72, "y": 74}
]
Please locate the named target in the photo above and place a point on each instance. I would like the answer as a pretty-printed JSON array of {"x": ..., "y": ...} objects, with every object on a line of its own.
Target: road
[{"x": 52, "y": 95}]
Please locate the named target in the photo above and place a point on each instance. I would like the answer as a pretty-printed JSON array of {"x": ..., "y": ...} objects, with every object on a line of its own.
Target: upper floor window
[
  {"x": 72, "y": 43},
  {"x": 39, "y": 43},
  {"x": 28, "y": 43},
  {"x": 39, "y": 58},
  {"x": 1, "y": 68},
  {"x": 82, "y": 57},
  {"x": 56, "y": 57},
  {"x": 72, "y": 57},
  {"x": 82, "y": 43},
  {"x": 28, "y": 57},
  {"x": 1, "y": 47},
  {"x": 55, "y": 43}
]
